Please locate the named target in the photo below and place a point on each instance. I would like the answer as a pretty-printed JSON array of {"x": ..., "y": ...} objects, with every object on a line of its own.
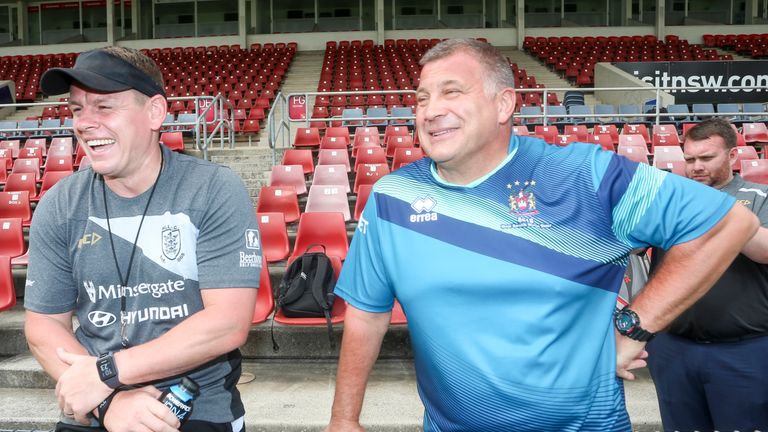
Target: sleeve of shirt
[
  {"x": 50, "y": 287},
  {"x": 228, "y": 248},
  {"x": 761, "y": 210},
  {"x": 650, "y": 207},
  {"x": 363, "y": 282}
]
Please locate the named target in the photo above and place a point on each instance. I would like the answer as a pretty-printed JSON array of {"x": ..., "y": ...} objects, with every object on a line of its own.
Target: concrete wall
[{"x": 609, "y": 76}]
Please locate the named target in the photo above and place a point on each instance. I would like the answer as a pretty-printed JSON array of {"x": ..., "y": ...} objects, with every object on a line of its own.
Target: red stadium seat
[
  {"x": 580, "y": 131},
  {"x": 363, "y": 192},
  {"x": 636, "y": 129},
  {"x": 307, "y": 137},
  {"x": 609, "y": 130},
  {"x": 50, "y": 178},
  {"x": 370, "y": 155},
  {"x": 275, "y": 199},
  {"x": 328, "y": 198},
  {"x": 333, "y": 157},
  {"x": 549, "y": 133},
  {"x": 58, "y": 163},
  {"x": 665, "y": 154},
  {"x": 338, "y": 132},
  {"x": 369, "y": 174},
  {"x": 27, "y": 166},
  {"x": 742, "y": 154},
  {"x": 265, "y": 301},
  {"x": 331, "y": 175},
  {"x": 18, "y": 182},
  {"x": 7, "y": 289},
  {"x": 755, "y": 170},
  {"x": 289, "y": 175},
  {"x": 604, "y": 140},
  {"x": 174, "y": 140},
  {"x": 327, "y": 229},
  {"x": 274, "y": 236},
  {"x": 11, "y": 237},
  {"x": 755, "y": 133},
  {"x": 16, "y": 205},
  {"x": 673, "y": 166},
  {"x": 404, "y": 156},
  {"x": 398, "y": 142},
  {"x": 301, "y": 157},
  {"x": 520, "y": 130},
  {"x": 13, "y": 145}
]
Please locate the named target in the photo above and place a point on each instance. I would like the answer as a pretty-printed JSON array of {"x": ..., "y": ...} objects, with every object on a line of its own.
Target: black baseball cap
[{"x": 100, "y": 71}]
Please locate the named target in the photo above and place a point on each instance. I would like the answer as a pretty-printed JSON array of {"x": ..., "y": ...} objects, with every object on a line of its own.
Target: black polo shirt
[{"x": 737, "y": 305}]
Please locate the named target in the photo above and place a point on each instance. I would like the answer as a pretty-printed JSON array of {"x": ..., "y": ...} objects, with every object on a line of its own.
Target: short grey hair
[{"x": 499, "y": 74}]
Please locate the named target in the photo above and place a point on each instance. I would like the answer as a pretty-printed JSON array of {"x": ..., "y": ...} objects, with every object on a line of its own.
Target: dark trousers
[
  {"x": 710, "y": 386},
  {"x": 190, "y": 426}
]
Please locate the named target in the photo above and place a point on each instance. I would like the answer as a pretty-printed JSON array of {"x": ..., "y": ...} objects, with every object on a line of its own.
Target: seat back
[
  {"x": 328, "y": 198},
  {"x": 331, "y": 175},
  {"x": 11, "y": 237},
  {"x": 7, "y": 289},
  {"x": 289, "y": 175},
  {"x": 323, "y": 228},
  {"x": 755, "y": 170},
  {"x": 16, "y": 205},
  {"x": 279, "y": 199},
  {"x": 274, "y": 236}
]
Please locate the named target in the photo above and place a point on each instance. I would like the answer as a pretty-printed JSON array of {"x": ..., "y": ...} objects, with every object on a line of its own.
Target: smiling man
[
  {"x": 510, "y": 284},
  {"x": 709, "y": 365},
  {"x": 159, "y": 290}
]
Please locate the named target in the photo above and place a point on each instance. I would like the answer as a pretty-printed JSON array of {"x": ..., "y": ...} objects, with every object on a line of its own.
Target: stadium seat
[
  {"x": 50, "y": 178},
  {"x": 17, "y": 182},
  {"x": 398, "y": 142},
  {"x": 742, "y": 154},
  {"x": 402, "y": 112},
  {"x": 531, "y": 115},
  {"x": 603, "y": 140},
  {"x": 754, "y": 112},
  {"x": 352, "y": 113},
  {"x": 405, "y": 155},
  {"x": 370, "y": 155},
  {"x": 11, "y": 237},
  {"x": 333, "y": 157},
  {"x": 319, "y": 228},
  {"x": 31, "y": 153},
  {"x": 633, "y": 147},
  {"x": 392, "y": 131},
  {"x": 673, "y": 166},
  {"x": 174, "y": 140},
  {"x": 307, "y": 137},
  {"x": 730, "y": 112},
  {"x": 301, "y": 157},
  {"x": 702, "y": 111},
  {"x": 333, "y": 142},
  {"x": 16, "y": 205},
  {"x": 38, "y": 143},
  {"x": 549, "y": 133},
  {"x": 377, "y": 112},
  {"x": 363, "y": 193},
  {"x": 265, "y": 301},
  {"x": 274, "y": 199},
  {"x": 609, "y": 130},
  {"x": 564, "y": 140},
  {"x": 289, "y": 175},
  {"x": 338, "y": 132},
  {"x": 584, "y": 114},
  {"x": 331, "y": 175},
  {"x": 755, "y": 170},
  {"x": 7, "y": 289},
  {"x": 664, "y": 154},
  {"x": 274, "y": 236},
  {"x": 328, "y": 198},
  {"x": 578, "y": 130},
  {"x": 369, "y": 174},
  {"x": 58, "y": 163},
  {"x": 682, "y": 114},
  {"x": 755, "y": 133},
  {"x": 605, "y": 113},
  {"x": 27, "y": 166},
  {"x": 520, "y": 130},
  {"x": 636, "y": 129},
  {"x": 13, "y": 145}
]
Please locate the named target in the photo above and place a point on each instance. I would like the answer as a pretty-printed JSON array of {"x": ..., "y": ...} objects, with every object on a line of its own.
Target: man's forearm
[
  {"x": 688, "y": 270},
  {"x": 363, "y": 333},
  {"x": 220, "y": 327},
  {"x": 46, "y": 333}
]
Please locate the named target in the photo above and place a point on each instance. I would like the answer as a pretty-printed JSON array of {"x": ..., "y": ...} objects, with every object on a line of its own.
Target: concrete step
[{"x": 297, "y": 395}]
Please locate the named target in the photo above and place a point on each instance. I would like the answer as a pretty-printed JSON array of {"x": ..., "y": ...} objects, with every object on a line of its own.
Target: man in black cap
[{"x": 148, "y": 249}]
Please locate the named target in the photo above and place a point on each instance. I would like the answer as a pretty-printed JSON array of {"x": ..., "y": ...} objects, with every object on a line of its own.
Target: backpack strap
[
  {"x": 297, "y": 277},
  {"x": 316, "y": 285}
]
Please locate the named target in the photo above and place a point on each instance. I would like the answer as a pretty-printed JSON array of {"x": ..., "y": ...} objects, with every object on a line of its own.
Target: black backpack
[{"x": 306, "y": 290}]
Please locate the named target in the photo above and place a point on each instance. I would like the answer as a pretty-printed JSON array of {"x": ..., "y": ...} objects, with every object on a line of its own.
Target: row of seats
[
  {"x": 677, "y": 114},
  {"x": 575, "y": 57},
  {"x": 753, "y": 45}
]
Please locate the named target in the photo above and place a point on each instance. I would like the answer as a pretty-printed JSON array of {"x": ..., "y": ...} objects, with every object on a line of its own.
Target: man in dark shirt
[{"x": 709, "y": 366}]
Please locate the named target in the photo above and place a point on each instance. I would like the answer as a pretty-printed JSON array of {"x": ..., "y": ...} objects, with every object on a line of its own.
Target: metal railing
[{"x": 205, "y": 128}]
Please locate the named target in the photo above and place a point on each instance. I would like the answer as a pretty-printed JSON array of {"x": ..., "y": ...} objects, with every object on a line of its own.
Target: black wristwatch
[
  {"x": 107, "y": 368},
  {"x": 628, "y": 324}
]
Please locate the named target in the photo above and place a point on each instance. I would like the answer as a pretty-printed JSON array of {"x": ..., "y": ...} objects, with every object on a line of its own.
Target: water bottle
[{"x": 179, "y": 397}]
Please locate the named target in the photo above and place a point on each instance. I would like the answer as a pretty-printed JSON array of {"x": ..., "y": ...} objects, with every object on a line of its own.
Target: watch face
[
  {"x": 105, "y": 369},
  {"x": 624, "y": 322}
]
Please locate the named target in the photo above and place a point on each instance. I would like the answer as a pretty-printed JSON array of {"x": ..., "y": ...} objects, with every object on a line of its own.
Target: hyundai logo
[{"x": 101, "y": 319}]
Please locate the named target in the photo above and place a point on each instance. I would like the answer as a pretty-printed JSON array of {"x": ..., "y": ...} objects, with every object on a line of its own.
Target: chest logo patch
[
  {"x": 522, "y": 205},
  {"x": 171, "y": 242}
]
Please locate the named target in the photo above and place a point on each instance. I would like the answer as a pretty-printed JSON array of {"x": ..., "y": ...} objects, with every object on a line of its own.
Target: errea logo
[{"x": 423, "y": 207}]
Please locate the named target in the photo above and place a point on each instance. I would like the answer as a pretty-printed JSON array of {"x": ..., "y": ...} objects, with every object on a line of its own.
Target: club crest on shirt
[
  {"x": 522, "y": 205},
  {"x": 171, "y": 242}
]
